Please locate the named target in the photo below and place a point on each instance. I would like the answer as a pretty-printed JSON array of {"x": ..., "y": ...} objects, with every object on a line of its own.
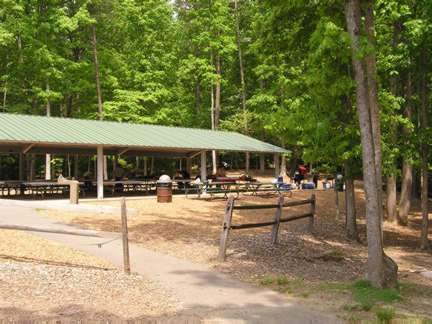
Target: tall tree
[{"x": 382, "y": 270}]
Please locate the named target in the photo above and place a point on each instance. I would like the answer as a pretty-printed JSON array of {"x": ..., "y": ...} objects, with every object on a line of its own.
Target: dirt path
[{"x": 206, "y": 295}]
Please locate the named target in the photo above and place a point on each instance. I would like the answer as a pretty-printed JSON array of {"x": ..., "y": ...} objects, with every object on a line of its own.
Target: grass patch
[
  {"x": 282, "y": 280},
  {"x": 385, "y": 314},
  {"x": 333, "y": 255},
  {"x": 286, "y": 285},
  {"x": 334, "y": 286},
  {"x": 268, "y": 280},
  {"x": 367, "y": 296},
  {"x": 278, "y": 280},
  {"x": 364, "y": 294}
]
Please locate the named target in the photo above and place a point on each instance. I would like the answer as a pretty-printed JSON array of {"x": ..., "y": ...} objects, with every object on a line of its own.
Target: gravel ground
[
  {"x": 47, "y": 292},
  {"x": 53, "y": 281},
  {"x": 18, "y": 245}
]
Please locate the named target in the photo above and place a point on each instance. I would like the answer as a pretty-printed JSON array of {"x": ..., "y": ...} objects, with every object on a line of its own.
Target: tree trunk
[
  {"x": 213, "y": 126},
  {"x": 4, "y": 96},
  {"x": 382, "y": 271},
  {"x": 391, "y": 179},
  {"x": 391, "y": 198},
  {"x": 424, "y": 156},
  {"x": 406, "y": 192},
  {"x": 371, "y": 74},
  {"x": 217, "y": 106},
  {"x": 351, "y": 215},
  {"x": 48, "y": 156},
  {"x": 197, "y": 97},
  {"x": 97, "y": 75},
  {"x": 337, "y": 202},
  {"x": 20, "y": 54},
  {"x": 407, "y": 168},
  {"x": 98, "y": 90},
  {"x": 69, "y": 106},
  {"x": 241, "y": 65}
]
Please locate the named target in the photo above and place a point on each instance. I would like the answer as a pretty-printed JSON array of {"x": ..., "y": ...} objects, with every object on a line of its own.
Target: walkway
[{"x": 205, "y": 294}]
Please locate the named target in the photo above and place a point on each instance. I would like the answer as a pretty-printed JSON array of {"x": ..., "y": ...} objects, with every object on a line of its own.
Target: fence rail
[{"x": 230, "y": 207}]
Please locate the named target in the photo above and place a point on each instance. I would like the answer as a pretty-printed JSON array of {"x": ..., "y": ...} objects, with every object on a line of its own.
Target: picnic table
[
  {"x": 36, "y": 188},
  {"x": 254, "y": 187},
  {"x": 128, "y": 185}
]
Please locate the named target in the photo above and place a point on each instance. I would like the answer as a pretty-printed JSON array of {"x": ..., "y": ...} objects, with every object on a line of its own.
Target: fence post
[
  {"x": 226, "y": 226},
  {"x": 311, "y": 219},
  {"x": 277, "y": 218},
  {"x": 125, "y": 239}
]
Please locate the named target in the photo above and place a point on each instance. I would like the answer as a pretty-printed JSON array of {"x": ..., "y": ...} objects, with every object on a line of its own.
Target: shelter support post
[
  {"x": 247, "y": 162},
  {"x": 203, "y": 166},
  {"x": 145, "y": 166},
  {"x": 262, "y": 162},
  {"x": 32, "y": 162},
  {"x": 277, "y": 164},
  {"x": 21, "y": 167},
  {"x": 76, "y": 166},
  {"x": 100, "y": 172},
  {"x": 152, "y": 166},
  {"x": 47, "y": 166},
  {"x": 105, "y": 170},
  {"x": 214, "y": 162},
  {"x": 189, "y": 165}
]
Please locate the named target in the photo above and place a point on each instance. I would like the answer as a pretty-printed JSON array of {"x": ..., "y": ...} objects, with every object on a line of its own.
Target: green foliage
[{"x": 157, "y": 65}]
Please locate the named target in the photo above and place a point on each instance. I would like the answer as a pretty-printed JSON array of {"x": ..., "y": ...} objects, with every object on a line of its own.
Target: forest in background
[{"x": 286, "y": 72}]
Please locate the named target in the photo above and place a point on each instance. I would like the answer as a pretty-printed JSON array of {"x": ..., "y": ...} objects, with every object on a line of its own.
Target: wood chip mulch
[{"x": 47, "y": 292}]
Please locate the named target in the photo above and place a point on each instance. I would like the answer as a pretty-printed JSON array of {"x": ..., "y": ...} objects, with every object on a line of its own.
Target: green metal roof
[{"x": 26, "y": 129}]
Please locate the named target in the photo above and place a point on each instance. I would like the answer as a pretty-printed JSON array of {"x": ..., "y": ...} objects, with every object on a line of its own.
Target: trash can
[{"x": 164, "y": 189}]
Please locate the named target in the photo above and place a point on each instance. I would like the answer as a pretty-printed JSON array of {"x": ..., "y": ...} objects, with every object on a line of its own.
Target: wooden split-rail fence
[{"x": 228, "y": 225}]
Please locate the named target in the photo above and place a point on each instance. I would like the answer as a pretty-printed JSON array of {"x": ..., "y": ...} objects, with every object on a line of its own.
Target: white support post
[
  {"x": 203, "y": 166},
  {"x": 105, "y": 170},
  {"x": 247, "y": 166},
  {"x": 47, "y": 166},
  {"x": 214, "y": 162},
  {"x": 277, "y": 164},
  {"x": 100, "y": 172},
  {"x": 262, "y": 162}
]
